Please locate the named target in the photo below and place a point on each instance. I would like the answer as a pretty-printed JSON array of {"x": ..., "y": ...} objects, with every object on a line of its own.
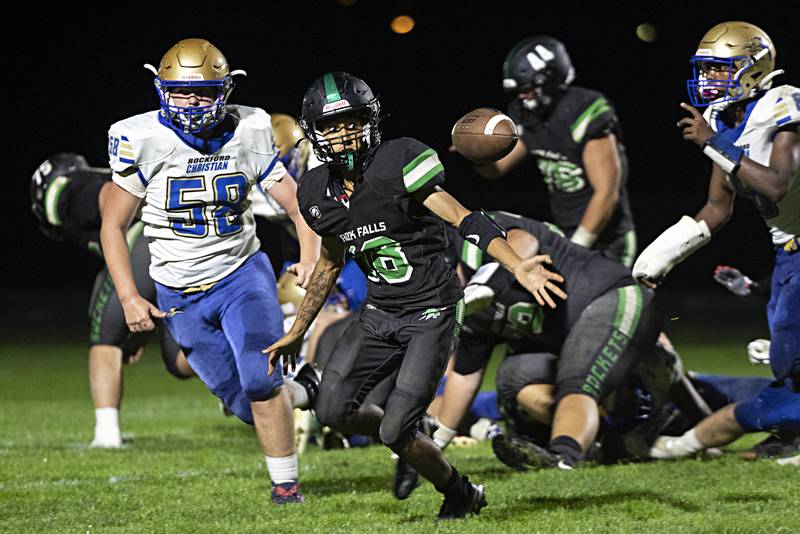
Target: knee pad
[
  {"x": 589, "y": 386},
  {"x": 261, "y": 386},
  {"x": 776, "y": 407},
  {"x": 394, "y": 436}
]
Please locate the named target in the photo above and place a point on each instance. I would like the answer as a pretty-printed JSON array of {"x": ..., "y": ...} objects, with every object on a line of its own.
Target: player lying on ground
[
  {"x": 381, "y": 202},
  {"x": 608, "y": 324},
  {"x": 191, "y": 166},
  {"x": 750, "y": 133}
]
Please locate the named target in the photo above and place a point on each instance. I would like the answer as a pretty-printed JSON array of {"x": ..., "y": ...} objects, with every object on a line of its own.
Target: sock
[
  {"x": 453, "y": 483},
  {"x": 443, "y": 436},
  {"x": 106, "y": 420},
  {"x": 298, "y": 393},
  {"x": 282, "y": 470},
  {"x": 688, "y": 442},
  {"x": 567, "y": 447}
]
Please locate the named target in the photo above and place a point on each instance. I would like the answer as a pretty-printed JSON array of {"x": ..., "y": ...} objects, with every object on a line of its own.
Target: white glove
[
  {"x": 758, "y": 351},
  {"x": 670, "y": 248},
  {"x": 476, "y": 298}
]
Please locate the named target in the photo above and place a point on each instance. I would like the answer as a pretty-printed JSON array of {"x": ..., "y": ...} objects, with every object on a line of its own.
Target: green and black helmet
[{"x": 332, "y": 97}]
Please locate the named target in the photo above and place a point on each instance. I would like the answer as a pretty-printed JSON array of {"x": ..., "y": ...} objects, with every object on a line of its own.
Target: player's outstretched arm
[
  {"x": 322, "y": 279},
  {"x": 686, "y": 236},
  {"x": 480, "y": 230},
  {"x": 285, "y": 193},
  {"x": 117, "y": 211},
  {"x": 604, "y": 172}
]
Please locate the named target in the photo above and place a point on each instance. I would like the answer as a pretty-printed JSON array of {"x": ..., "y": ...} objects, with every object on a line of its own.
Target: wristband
[{"x": 724, "y": 153}]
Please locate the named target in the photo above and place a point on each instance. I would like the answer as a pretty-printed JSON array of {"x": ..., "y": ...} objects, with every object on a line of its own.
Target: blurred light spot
[
  {"x": 346, "y": 3},
  {"x": 402, "y": 24},
  {"x": 646, "y": 32}
]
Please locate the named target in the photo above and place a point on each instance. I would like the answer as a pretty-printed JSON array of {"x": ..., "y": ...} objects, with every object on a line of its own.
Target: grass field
[{"x": 185, "y": 468}]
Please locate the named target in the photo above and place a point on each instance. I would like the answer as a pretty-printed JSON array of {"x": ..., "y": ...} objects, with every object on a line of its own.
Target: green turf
[{"x": 186, "y": 468}]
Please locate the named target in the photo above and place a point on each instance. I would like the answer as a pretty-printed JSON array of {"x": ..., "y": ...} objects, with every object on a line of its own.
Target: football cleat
[
  {"x": 668, "y": 447},
  {"x": 287, "y": 493},
  {"x": 520, "y": 454},
  {"x": 106, "y": 442},
  {"x": 458, "y": 504},
  {"x": 406, "y": 480}
]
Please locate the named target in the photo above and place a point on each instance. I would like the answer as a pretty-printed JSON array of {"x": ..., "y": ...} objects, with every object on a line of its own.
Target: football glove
[
  {"x": 670, "y": 248},
  {"x": 734, "y": 281},
  {"x": 758, "y": 351}
]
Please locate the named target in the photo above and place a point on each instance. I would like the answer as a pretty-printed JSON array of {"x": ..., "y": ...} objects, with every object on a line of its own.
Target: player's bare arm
[
  {"x": 604, "y": 172},
  {"x": 118, "y": 210},
  {"x": 530, "y": 272},
  {"x": 772, "y": 181},
  {"x": 719, "y": 205},
  {"x": 285, "y": 193},
  {"x": 322, "y": 279}
]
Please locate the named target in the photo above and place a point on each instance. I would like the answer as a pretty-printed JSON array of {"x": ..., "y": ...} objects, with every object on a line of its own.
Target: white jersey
[
  {"x": 267, "y": 207},
  {"x": 196, "y": 211},
  {"x": 775, "y": 109}
]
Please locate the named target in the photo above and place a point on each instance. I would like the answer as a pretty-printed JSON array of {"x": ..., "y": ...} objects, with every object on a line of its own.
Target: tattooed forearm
[{"x": 322, "y": 280}]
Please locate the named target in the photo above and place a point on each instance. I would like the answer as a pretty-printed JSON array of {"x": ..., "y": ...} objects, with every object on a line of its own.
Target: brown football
[{"x": 484, "y": 135}]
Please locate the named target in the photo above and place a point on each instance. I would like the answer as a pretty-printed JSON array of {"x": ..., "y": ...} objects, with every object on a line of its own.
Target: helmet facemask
[
  {"x": 351, "y": 146},
  {"x": 705, "y": 89},
  {"x": 194, "y": 119}
]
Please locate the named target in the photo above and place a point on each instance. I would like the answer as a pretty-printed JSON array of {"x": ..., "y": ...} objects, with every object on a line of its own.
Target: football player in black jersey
[
  {"x": 575, "y": 138},
  {"x": 67, "y": 198},
  {"x": 381, "y": 203},
  {"x": 566, "y": 360}
]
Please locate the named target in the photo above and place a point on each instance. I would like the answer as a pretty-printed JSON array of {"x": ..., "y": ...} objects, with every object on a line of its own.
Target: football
[{"x": 484, "y": 135}]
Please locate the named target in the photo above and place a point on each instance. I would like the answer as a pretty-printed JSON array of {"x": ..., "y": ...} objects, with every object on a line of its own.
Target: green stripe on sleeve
[
  {"x": 582, "y": 123},
  {"x": 416, "y": 161},
  {"x": 425, "y": 178}
]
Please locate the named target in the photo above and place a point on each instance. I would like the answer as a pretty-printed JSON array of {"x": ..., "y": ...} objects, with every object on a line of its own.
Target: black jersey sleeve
[
  {"x": 422, "y": 168},
  {"x": 319, "y": 209},
  {"x": 596, "y": 118}
]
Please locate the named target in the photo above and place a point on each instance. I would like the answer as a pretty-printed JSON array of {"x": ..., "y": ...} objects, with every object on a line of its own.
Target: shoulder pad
[
  {"x": 138, "y": 141},
  {"x": 588, "y": 106},
  {"x": 778, "y": 107},
  {"x": 254, "y": 129}
]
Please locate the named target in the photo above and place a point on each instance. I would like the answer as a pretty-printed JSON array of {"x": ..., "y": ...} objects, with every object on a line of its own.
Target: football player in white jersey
[
  {"x": 750, "y": 133},
  {"x": 190, "y": 165}
]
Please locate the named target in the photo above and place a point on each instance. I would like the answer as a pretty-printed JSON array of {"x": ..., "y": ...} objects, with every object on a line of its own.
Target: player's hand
[
  {"x": 695, "y": 127},
  {"x": 758, "y": 351},
  {"x": 139, "y": 314},
  {"x": 302, "y": 270},
  {"x": 734, "y": 281},
  {"x": 534, "y": 277},
  {"x": 287, "y": 348}
]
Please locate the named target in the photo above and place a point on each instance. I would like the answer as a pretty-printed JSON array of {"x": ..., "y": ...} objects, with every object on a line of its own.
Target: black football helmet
[
  {"x": 47, "y": 182},
  {"x": 540, "y": 64},
  {"x": 332, "y": 97}
]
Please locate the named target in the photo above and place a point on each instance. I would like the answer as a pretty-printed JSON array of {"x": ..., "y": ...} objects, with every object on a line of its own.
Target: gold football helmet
[
  {"x": 289, "y": 293},
  {"x": 291, "y": 143},
  {"x": 194, "y": 65},
  {"x": 734, "y": 60}
]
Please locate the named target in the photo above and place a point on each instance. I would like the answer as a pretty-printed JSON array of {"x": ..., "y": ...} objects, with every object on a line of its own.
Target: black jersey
[
  {"x": 75, "y": 208},
  {"x": 514, "y": 314},
  {"x": 398, "y": 243},
  {"x": 557, "y": 142}
]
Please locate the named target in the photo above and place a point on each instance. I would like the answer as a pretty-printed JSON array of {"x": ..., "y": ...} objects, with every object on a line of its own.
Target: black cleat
[
  {"x": 308, "y": 377},
  {"x": 520, "y": 454},
  {"x": 406, "y": 480},
  {"x": 469, "y": 500}
]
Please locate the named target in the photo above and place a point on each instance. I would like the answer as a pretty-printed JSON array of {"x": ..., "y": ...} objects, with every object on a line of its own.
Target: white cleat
[
  {"x": 305, "y": 424},
  {"x": 666, "y": 447}
]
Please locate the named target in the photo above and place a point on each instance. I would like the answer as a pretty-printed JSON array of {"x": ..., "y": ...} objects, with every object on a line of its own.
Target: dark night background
[{"x": 73, "y": 72}]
